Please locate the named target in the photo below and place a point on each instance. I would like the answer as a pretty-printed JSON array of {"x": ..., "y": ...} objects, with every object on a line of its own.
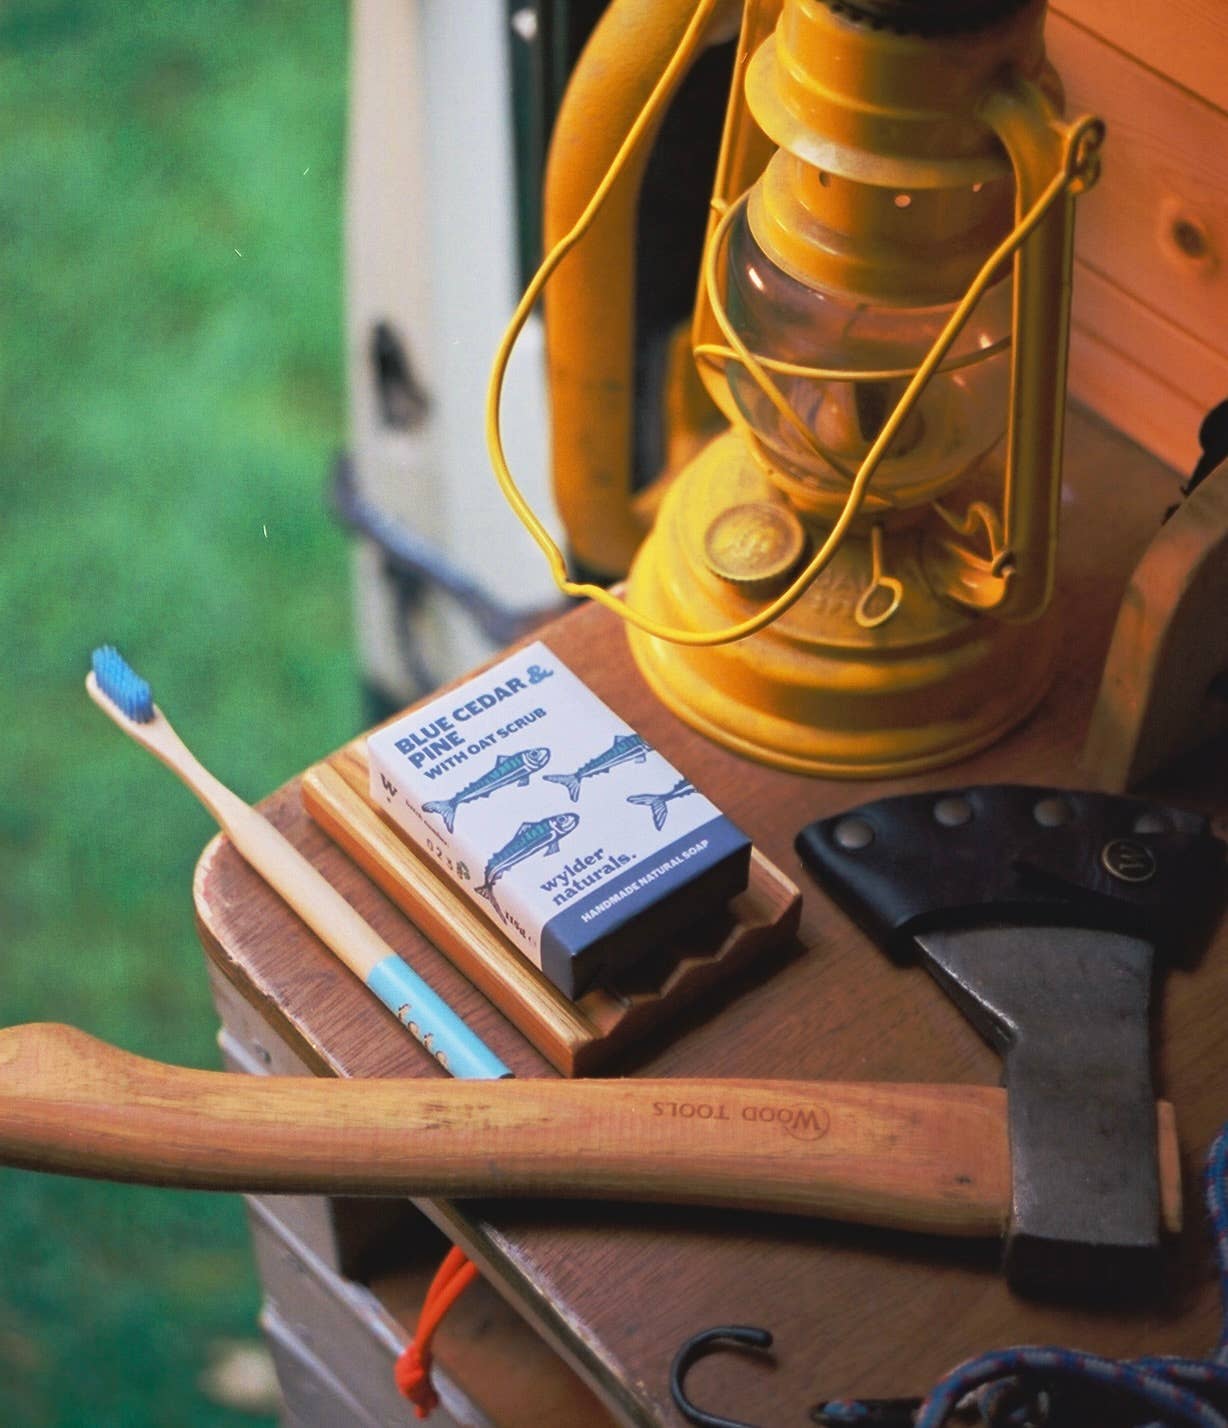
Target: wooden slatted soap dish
[{"x": 577, "y": 1038}]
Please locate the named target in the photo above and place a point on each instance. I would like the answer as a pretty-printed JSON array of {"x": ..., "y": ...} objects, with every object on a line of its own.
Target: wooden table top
[{"x": 854, "y": 1311}]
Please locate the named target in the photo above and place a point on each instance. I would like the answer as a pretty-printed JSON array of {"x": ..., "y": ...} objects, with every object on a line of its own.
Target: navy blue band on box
[{"x": 628, "y": 917}]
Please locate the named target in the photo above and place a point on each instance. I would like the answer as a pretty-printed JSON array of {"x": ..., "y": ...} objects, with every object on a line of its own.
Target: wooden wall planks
[
  {"x": 1187, "y": 40},
  {"x": 1149, "y": 350}
]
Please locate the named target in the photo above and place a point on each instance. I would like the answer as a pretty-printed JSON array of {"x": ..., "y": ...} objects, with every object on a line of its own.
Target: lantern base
[{"x": 819, "y": 692}]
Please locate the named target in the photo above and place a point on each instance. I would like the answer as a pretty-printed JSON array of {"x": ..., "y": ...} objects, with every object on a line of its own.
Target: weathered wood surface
[{"x": 853, "y": 1310}]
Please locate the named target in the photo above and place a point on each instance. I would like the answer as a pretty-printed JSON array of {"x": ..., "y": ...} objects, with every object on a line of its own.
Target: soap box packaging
[{"x": 572, "y": 835}]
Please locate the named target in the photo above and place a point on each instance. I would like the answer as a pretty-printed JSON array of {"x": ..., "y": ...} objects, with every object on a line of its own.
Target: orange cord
[{"x": 413, "y": 1367}]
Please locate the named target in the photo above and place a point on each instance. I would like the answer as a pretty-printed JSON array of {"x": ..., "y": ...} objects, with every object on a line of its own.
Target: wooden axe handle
[{"x": 931, "y": 1158}]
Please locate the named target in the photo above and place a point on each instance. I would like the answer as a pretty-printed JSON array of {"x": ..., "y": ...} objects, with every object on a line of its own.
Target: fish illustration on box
[
  {"x": 539, "y": 836},
  {"x": 658, "y": 803},
  {"x": 509, "y": 769},
  {"x": 624, "y": 749}
]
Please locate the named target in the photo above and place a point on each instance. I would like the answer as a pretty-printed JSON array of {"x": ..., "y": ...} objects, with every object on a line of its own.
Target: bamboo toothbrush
[{"x": 120, "y": 693}]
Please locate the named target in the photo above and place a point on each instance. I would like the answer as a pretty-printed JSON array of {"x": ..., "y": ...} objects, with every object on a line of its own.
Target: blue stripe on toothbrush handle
[{"x": 457, "y": 1049}]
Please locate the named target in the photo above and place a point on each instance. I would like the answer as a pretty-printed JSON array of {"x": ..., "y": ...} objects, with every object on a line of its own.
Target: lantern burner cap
[{"x": 925, "y": 17}]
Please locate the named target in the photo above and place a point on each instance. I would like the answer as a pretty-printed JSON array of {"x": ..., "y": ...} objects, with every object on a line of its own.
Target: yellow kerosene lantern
[{"x": 852, "y": 579}]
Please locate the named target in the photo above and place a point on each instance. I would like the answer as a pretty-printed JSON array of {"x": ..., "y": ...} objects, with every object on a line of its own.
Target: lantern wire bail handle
[
  {"x": 1078, "y": 169},
  {"x": 744, "y": 1336}
]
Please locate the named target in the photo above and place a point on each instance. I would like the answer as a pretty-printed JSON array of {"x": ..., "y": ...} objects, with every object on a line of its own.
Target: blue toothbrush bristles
[{"x": 122, "y": 685}]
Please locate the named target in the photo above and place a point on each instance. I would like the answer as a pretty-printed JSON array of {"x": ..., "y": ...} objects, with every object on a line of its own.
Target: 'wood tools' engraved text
[{"x": 801, "y": 1122}]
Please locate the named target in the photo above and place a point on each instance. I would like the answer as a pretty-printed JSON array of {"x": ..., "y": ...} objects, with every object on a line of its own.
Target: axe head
[{"x": 1039, "y": 910}]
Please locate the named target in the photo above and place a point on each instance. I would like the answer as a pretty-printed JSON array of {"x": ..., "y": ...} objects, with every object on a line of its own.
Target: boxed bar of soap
[{"x": 574, "y": 836}]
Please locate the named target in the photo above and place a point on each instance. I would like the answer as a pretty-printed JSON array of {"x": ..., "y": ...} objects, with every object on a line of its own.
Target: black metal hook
[{"x": 743, "y": 1336}]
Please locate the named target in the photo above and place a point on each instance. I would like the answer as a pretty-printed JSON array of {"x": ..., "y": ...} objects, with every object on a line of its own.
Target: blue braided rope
[
  {"x": 1215, "y": 1185},
  {"x": 1181, "y": 1390},
  {"x": 1148, "y": 1389}
]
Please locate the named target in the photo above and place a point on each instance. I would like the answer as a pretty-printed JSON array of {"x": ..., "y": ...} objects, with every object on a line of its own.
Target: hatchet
[{"x": 1039, "y": 911}]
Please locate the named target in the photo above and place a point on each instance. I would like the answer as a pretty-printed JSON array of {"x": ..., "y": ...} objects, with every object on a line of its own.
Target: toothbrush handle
[
  {"x": 356, "y": 943},
  {"x": 343, "y": 930}
]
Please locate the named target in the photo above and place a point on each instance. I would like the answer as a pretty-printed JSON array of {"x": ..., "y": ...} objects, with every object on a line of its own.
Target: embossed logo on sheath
[{"x": 1129, "y": 860}]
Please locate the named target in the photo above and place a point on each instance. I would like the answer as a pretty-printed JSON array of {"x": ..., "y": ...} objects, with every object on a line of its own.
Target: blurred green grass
[{"x": 171, "y": 373}]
